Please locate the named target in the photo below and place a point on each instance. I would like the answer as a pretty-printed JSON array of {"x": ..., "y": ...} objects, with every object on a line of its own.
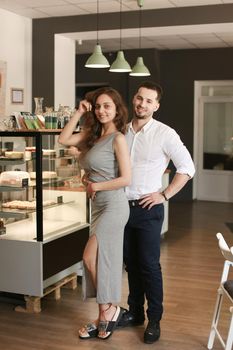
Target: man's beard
[{"x": 140, "y": 116}]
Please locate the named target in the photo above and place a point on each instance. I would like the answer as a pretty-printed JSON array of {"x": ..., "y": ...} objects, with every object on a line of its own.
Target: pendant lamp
[
  {"x": 120, "y": 65},
  {"x": 97, "y": 59},
  {"x": 140, "y": 70}
]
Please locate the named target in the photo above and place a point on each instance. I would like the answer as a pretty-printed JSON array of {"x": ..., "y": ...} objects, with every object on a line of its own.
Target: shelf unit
[{"x": 44, "y": 244}]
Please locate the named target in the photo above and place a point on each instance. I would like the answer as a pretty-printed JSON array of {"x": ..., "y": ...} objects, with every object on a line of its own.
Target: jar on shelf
[{"x": 38, "y": 105}]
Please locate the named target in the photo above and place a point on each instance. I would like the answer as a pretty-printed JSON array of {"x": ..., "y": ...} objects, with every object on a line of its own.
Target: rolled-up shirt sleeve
[{"x": 178, "y": 153}]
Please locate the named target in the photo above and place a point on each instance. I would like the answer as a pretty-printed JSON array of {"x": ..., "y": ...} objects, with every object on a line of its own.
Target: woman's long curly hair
[{"x": 91, "y": 125}]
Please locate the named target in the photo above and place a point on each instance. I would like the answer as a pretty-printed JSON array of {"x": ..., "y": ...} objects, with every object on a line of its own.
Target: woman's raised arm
[{"x": 67, "y": 136}]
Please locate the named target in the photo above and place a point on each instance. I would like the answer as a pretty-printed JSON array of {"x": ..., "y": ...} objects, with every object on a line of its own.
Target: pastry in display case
[
  {"x": 45, "y": 175},
  {"x": 44, "y": 211},
  {"x": 13, "y": 154},
  {"x": 14, "y": 178}
]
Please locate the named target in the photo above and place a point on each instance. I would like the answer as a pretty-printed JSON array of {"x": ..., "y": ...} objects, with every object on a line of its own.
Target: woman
[{"x": 105, "y": 159}]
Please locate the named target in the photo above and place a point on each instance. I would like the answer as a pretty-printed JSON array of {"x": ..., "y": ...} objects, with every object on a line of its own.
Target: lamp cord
[
  {"x": 97, "y": 22},
  {"x": 140, "y": 26},
  {"x": 120, "y": 21}
]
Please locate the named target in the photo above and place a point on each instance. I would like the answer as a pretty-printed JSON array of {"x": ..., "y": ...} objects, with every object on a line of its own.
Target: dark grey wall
[
  {"x": 175, "y": 69},
  {"x": 179, "y": 70},
  {"x": 43, "y": 31}
]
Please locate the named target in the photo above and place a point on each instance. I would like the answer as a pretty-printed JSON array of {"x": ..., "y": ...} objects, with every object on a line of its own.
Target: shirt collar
[{"x": 145, "y": 127}]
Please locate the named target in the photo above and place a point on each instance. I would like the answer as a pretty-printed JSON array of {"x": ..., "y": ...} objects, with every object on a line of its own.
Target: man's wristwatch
[{"x": 164, "y": 195}]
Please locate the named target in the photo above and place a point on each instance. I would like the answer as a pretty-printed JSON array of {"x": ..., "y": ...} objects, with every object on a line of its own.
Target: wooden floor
[{"x": 191, "y": 264}]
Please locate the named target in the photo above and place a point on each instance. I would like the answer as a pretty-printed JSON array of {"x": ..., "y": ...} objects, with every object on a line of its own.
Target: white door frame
[{"x": 196, "y": 135}]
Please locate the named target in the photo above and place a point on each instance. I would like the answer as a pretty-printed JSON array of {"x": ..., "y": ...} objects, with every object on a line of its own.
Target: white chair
[{"x": 225, "y": 289}]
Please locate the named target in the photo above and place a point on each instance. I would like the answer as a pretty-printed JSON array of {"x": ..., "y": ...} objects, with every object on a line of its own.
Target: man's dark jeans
[{"x": 142, "y": 260}]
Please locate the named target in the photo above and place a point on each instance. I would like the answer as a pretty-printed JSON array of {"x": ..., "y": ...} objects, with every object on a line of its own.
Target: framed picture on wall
[{"x": 16, "y": 96}]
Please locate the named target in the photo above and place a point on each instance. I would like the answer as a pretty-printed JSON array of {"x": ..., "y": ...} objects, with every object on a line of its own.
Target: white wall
[
  {"x": 64, "y": 74},
  {"x": 16, "y": 51}
]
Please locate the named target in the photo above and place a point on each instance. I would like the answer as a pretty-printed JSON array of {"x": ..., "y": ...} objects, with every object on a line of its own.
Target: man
[{"x": 152, "y": 145}]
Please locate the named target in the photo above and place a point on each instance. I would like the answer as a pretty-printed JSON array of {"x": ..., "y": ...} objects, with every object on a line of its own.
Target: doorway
[{"x": 213, "y": 141}]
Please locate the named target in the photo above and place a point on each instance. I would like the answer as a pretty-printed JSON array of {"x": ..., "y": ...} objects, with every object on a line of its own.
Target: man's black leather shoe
[
  {"x": 130, "y": 320},
  {"x": 152, "y": 332}
]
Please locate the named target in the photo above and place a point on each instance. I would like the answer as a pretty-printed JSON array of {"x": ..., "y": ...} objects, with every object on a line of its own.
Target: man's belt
[{"x": 134, "y": 203}]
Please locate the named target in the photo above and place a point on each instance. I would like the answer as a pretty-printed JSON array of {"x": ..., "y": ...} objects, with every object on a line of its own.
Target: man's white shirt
[{"x": 151, "y": 149}]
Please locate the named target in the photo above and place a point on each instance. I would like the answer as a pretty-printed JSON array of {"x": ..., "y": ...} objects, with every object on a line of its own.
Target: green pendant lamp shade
[
  {"x": 97, "y": 59},
  {"x": 120, "y": 65},
  {"x": 140, "y": 70}
]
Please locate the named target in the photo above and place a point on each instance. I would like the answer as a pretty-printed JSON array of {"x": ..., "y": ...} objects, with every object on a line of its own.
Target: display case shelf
[
  {"x": 12, "y": 214},
  {"x": 10, "y": 161},
  {"x": 12, "y": 189},
  {"x": 22, "y": 213}
]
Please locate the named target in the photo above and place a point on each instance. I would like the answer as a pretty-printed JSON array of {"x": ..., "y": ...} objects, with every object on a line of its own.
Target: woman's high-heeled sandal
[
  {"x": 108, "y": 327},
  {"x": 90, "y": 330}
]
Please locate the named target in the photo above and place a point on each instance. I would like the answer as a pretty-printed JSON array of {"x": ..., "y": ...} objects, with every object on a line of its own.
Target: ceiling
[{"x": 163, "y": 38}]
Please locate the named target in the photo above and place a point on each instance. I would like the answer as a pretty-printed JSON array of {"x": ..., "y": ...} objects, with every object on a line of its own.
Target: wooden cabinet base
[{"x": 33, "y": 303}]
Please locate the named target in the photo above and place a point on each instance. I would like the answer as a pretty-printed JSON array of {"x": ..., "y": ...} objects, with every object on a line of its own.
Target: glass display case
[{"x": 44, "y": 211}]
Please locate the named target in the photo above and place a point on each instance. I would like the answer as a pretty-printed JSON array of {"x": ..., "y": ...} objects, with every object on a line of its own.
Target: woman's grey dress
[{"x": 109, "y": 215}]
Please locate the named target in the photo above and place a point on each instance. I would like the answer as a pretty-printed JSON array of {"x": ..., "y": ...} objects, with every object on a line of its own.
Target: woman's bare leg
[
  {"x": 90, "y": 261},
  {"x": 106, "y": 311},
  {"x": 90, "y": 258}
]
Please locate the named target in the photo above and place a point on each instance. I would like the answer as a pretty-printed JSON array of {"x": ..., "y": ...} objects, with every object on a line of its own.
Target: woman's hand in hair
[{"x": 84, "y": 106}]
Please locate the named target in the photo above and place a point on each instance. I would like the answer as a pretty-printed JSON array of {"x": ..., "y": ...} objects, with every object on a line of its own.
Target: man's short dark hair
[{"x": 152, "y": 86}]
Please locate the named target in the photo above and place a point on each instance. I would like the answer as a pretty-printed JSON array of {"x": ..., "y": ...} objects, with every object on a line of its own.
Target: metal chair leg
[
  {"x": 215, "y": 319},
  {"x": 229, "y": 342}
]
